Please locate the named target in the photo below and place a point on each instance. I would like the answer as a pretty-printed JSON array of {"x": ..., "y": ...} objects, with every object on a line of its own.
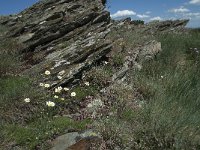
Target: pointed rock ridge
[
  {"x": 168, "y": 25},
  {"x": 61, "y": 35},
  {"x": 154, "y": 26}
]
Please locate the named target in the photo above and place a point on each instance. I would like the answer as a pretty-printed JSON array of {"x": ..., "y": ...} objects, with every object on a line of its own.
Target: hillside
[{"x": 73, "y": 78}]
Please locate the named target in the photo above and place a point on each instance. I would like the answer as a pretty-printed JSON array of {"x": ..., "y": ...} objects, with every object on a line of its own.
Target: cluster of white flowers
[
  {"x": 57, "y": 90},
  {"x": 44, "y": 85}
]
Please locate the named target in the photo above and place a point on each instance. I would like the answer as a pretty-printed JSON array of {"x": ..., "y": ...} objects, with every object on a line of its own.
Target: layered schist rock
[{"x": 59, "y": 35}]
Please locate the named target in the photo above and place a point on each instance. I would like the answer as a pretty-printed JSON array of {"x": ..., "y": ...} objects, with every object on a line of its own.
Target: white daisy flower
[
  {"x": 87, "y": 83},
  {"x": 105, "y": 62},
  {"x": 41, "y": 84},
  {"x": 46, "y": 85},
  {"x": 73, "y": 94},
  {"x": 162, "y": 77},
  {"x": 66, "y": 89},
  {"x": 56, "y": 96},
  {"x": 47, "y": 72},
  {"x": 57, "y": 90},
  {"x": 50, "y": 104},
  {"x": 27, "y": 100},
  {"x": 59, "y": 77},
  {"x": 61, "y": 72},
  {"x": 62, "y": 99},
  {"x": 60, "y": 88}
]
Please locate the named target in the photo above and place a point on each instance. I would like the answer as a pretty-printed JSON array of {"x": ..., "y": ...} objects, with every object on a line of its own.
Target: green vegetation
[
  {"x": 8, "y": 55},
  {"x": 173, "y": 108},
  {"x": 138, "y": 22},
  {"x": 82, "y": 92},
  {"x": 36, "y": 132},
  {"x": 160, "y": 110},
  {"x": 170, "y": 84},
  {"x": 27, "y": 125},
  {"x": 118, "y": 59}
]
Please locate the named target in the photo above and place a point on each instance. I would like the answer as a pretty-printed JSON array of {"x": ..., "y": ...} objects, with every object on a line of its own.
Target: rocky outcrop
[
  {"x": 69, "y": 37},
  {"x": 167, "y": 26},
  {"x": 154, "y": 26},
  {"x": 61, "y": 35}
]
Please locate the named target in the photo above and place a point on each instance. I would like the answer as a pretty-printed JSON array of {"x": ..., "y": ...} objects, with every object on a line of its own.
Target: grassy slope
[
  {"x": 170, "y": 85},
  {"x": 174, "y": 81},
  {"x": 26, "y": 125}
]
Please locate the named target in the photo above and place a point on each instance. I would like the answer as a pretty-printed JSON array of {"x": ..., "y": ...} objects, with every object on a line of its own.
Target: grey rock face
[
  {"x": 148, "y": 51},
  {"x": 74, "y": 139},
  {"x": 64, "y": 141},
  {"x": 62, "y": 35}
]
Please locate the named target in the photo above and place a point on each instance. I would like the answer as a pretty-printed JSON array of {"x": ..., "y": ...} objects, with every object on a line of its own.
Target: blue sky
[{"x": 137, "y": 9}]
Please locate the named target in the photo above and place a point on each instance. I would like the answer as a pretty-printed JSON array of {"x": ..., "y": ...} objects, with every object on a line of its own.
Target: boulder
[{"x": 75, "y": 141}]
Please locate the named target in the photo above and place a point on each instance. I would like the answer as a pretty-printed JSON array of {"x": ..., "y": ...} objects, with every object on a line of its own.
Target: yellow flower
[
  {"x": 27, "y": 100},
  {"x": 46, "y": 85},
  {"x": 56, "y": 96},
  {"x": 47, "y": 72},
  {"x": 73, "y": 94},
  {"x": 50, "y": 104},
  {"x": 66, "y": 89},
  {"x": 87, "y": 83}
]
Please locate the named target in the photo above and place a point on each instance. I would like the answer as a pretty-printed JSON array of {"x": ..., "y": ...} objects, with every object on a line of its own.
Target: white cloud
[
  {"x": 156, "y": 18},
  {"x": 123, "y": 13},
  {"x": 181, "y": 9},
  {"x": 148, "y": 12},
  {"x": 142, "y": 16},
  {"x": 192, "y": 16},
  {"x": 196, "y": 2}
]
